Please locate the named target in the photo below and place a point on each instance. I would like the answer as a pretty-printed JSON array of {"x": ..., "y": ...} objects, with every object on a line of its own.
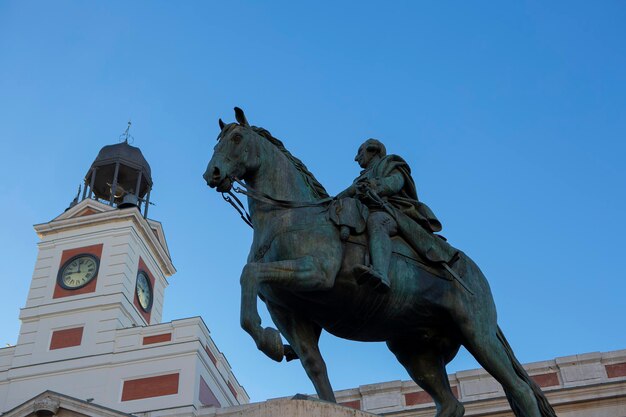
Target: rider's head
[{"x": 371, "y": 150}]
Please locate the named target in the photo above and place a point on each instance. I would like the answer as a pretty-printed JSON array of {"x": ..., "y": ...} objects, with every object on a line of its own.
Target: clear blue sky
[{"x": 511, "y": 114}]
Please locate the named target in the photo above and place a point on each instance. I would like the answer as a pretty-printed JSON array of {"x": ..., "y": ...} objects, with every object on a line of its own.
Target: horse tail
[{"x": 544, "y": 406}]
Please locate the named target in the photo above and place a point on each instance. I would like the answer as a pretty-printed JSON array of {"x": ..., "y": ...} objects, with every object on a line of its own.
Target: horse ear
[
  {"x": 221, "y": 124},
  {"x": 240, "y": 117}
]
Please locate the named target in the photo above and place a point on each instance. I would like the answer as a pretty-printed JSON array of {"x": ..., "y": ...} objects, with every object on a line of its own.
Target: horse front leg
[
  {"x": 307, "y": 273},
  {"x": 267, "y": 339}
]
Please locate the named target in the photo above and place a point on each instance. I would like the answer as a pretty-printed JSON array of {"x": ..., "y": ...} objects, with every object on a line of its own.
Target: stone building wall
[{"x": 587, "y": 385}]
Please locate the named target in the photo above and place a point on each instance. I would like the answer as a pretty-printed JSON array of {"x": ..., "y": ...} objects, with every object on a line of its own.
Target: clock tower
[
  {"x": 91, "y": 327},
  {"x": 102, "y": 264}
]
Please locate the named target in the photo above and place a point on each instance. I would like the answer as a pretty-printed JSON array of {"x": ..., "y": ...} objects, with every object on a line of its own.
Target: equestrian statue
[{"x": 366, "y": 265}]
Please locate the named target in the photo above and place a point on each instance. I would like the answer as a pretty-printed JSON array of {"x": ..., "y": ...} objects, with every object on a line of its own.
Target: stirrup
[{"x": 368, "y": 275}]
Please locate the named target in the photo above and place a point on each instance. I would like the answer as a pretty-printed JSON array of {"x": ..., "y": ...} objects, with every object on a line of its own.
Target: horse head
[{"x": 236, "y": 154}]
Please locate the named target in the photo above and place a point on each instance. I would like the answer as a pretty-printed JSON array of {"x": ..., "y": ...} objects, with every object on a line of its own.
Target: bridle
[{"x": 246, "y": 190}]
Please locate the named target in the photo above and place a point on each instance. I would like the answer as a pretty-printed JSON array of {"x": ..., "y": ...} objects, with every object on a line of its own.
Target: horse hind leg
[
  {"x": 303, "y": 336},
  {"x": 491, "y": 350},
  {"x": 426, "y": 366}
]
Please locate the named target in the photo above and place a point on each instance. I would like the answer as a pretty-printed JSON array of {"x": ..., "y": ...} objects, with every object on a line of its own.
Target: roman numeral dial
[
  {"x": 78, "y": 271},
  {"x": 143, "y": 290}
]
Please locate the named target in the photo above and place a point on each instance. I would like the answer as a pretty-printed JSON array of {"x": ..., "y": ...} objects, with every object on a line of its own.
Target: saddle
[{"x": 350, "y": 215}]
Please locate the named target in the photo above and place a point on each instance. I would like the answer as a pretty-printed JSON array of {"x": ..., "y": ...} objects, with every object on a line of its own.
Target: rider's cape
[
  {"x": 406, "y": 200},
  {"x": 416, "y": 221}
]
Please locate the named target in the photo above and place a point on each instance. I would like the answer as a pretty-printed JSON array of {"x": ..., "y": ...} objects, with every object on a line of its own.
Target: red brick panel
[
  {"x": 154, "y": 386},
  {"x": 66, "y": 338},
  {"x": 86, "y": 212},
  {"x": 616, "y": 370},
  {"x": 95, "y": 250},
  {"x": 208, "y": 352},
  {"x": 206, "y": 395},
  {"x": 546, "y": 380},
  {"x": 420, "y": 397},
  {"x": 231, "y": 388},
  {"x": 144, "y": 267},
  {"x": 356, "y": 404},
  {"x": 157, "y": 338}
]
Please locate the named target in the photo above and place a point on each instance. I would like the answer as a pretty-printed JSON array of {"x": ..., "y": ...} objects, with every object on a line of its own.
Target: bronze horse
[{"x": 302, "y": 270}]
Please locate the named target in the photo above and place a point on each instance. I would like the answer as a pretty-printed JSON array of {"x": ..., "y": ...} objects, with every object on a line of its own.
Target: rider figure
[{"x": 385, "y": 185}]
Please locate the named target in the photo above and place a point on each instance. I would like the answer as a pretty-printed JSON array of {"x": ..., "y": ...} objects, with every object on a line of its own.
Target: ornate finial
[
  {"x": 126, "y": 135},
  {"x": 75, "y": 200},
  {"x": 46, "y": 406}
]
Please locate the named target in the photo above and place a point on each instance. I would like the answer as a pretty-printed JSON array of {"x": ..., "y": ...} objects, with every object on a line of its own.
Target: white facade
[{"x": 97, "y": 343}]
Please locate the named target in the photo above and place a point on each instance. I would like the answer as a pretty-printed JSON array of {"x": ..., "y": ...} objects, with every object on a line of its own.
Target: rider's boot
[
  {"x": 380, "y": 227},
  {"x": 368, "y": 275},
  {"x": 380, "y": 251}
]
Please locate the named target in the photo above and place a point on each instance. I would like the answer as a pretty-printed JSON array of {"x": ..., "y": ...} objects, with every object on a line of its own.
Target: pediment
[
  {"x": 54, "y": 403},
  {"x": 85, "y": 208}
]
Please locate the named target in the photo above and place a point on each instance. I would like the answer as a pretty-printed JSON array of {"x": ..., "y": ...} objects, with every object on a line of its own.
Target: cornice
[{"x": 66, "y": 222}]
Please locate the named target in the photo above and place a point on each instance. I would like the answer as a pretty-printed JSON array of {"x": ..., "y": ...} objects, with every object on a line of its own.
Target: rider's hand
[
  {"x": 361, "y": 190},
  {"x": 363, "y": 185}
]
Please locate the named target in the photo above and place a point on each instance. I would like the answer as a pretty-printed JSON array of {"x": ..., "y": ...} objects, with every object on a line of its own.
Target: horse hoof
[
  {"x": 272, "y": 344},
  {"x": 290, "y": 354}
]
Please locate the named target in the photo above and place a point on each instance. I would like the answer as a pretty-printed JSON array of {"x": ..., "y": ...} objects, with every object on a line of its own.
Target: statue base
[{"x": 299, "y": 406}]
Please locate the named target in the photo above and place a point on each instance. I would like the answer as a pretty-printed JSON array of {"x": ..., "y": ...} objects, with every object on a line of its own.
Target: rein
[
  {"x": 232, "y": 199},
  {"x": 264, "y": 198}
]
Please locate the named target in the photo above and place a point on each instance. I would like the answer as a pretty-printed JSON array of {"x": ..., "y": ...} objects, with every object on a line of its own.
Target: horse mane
[{"x": 317, "y": 188}]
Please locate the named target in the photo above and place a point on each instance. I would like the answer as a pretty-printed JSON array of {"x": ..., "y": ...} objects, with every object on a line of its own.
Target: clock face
[
  {"x": 78, "y": 271},
  {"x": 144, "y": 291}
]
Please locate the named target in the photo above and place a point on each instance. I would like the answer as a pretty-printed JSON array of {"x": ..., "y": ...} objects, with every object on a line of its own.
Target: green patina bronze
[{"x": 365, "y": 265}]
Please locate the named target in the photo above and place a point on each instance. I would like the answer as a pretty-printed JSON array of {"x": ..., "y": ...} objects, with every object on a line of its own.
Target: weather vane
[{"x": 126, "y": 135}]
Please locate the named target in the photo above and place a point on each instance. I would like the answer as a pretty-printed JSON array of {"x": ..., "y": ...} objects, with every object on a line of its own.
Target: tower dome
[{"x": 121, "y": 176}]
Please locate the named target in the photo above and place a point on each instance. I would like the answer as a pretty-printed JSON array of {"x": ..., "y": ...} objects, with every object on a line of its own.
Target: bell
[{"x": 129, "y": 200}]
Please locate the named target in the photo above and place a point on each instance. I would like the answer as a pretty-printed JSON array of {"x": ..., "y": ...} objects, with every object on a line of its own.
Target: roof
[{"x": 124, "y": 153}]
